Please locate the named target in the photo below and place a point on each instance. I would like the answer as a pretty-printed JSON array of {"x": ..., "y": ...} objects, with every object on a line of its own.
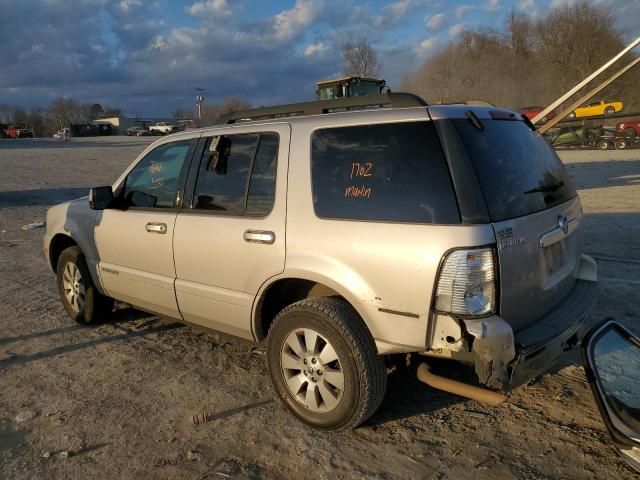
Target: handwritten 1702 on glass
[
  {"x": 359, "y": 170},
  {"x": 154, "y": 168}
]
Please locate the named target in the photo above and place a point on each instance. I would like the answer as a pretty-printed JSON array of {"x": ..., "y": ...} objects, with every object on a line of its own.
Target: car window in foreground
[
  {"x": 389, "y": 172},
  {"x": 153, "y": 182},
  {"x": 518, "y": 170},
  {"x": 239, "y": 178}
]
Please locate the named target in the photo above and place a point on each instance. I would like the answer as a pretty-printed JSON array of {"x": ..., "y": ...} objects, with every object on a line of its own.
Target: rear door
[
  {"x": 230, "y": 237},
  {"x": 535, "y": 213}
]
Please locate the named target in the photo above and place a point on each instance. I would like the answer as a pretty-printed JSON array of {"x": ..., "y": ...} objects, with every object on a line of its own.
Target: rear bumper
[
  {"x": 539, "y": 347},
  {"x": 505, "y": 360}
]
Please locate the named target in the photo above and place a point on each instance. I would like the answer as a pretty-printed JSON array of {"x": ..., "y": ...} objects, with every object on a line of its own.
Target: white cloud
[
  {"x": 462, "y": 9},
  {"x": 288, "y": 23},
  {"x": 126, "y": 5},
  {"x": 319, "y": 49},
  {"x": 218, "y": 8},
  {"x": 435, "y": 22},
  {"x": 456, "y": 29},
  {"x": 527, "y": 5},
  {"x": 427, "y": 46},
  {"x": 394, "y": 13},
  {"x": 491, "y": 5},
  {"x": 159, "y": 43}
]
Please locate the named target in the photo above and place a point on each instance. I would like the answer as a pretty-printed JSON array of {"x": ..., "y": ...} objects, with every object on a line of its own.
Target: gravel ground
[{"x": 117, "y": 400}]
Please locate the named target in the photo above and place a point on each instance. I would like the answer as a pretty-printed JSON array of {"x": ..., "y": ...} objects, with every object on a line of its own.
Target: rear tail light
[{"x": 467, "y": 283}]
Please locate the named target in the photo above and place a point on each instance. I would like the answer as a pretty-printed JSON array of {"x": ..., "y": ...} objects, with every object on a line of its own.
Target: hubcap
[
  {"x": 73, "y": 286},
  {"x": 312, "y": 370}
]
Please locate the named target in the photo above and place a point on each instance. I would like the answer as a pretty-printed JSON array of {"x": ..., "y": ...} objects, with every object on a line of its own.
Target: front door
[
  {"x": 134, "y": 239},
  {"x": 230, "y": 238}
]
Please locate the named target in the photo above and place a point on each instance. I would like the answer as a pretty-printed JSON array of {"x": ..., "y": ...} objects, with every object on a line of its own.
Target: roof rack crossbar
[{"x": 388, "y": 100}]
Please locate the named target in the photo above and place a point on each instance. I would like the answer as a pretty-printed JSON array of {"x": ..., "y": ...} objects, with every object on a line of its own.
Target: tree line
[
  {"x": 63, "y": 112},
  {"x": 529, "y": 61}
]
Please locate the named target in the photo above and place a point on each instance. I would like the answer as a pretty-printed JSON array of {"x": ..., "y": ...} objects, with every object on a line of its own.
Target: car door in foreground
[
  {"x": 611, "y": 355},
  {"x": 134, "y": 238}
]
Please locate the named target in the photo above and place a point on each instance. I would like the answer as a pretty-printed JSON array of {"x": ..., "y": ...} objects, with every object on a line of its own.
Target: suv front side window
[{"x": 153, "y": 182}]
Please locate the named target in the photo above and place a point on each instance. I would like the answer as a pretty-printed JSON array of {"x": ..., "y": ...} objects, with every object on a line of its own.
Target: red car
[
  {"x": 18, "y": 131},
  {"x": 531, "y": 112},
  {"x": 628, "y": 128}
]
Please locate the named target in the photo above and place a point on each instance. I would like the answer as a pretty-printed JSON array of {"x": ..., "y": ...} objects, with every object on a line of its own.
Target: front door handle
[
  {"x": 153, "y": 227},
  {"x": 259, "y": 236}
]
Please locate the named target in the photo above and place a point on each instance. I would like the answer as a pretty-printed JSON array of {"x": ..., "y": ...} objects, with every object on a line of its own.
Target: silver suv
[{"x": 340, "y": 232}]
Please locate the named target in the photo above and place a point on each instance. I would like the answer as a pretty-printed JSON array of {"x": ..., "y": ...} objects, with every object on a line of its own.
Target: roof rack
[{"x": 388, "y": 100}]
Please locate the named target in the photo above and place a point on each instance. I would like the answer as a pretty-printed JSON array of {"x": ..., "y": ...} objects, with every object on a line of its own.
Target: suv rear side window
[
  {"x": 519, "y": 172},
  {"x": 393, "y": 172}
]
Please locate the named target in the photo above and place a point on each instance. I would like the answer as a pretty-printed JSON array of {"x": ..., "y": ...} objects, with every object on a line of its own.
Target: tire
[
  {"x": 621, "y": 144},
  {"x": 348, "y": 350},
  {"x": 87, "y": 305},
  {"x": 603, "y": 145},
  {"x": 609, "y": 111},
  {"x": 571, "y": 116},
  {"x": 630, "y": 133}
]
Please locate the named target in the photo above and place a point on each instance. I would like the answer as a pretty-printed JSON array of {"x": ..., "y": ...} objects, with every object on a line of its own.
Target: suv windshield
[{"x": 518, "y": 170}]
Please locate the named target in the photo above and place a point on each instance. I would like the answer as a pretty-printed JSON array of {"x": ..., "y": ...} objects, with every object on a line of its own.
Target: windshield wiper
[{"x": 549, "y": 187}]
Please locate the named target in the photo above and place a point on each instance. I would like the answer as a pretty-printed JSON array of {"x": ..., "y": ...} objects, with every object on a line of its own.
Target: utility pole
[{"x": 199, "y": 101}]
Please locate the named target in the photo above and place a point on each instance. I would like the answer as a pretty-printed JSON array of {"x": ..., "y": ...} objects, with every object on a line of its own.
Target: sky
[{"x": 148, "y": 56}]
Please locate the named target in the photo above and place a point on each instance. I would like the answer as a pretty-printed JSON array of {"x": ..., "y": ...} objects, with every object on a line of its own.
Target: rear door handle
[
  {"x": 259, "y": 236},
  {"x": 153, "y": 227}
]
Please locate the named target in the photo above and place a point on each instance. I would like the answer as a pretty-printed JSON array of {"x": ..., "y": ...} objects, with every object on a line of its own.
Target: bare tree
[
  {"x": 527, "y": 62},
  {"x": 360, "y": 60}
]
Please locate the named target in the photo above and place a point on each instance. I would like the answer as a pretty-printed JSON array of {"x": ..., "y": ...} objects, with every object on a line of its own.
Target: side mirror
[
  {"x": 100, "y": 197},
  {"x": 611, "y": 355}
]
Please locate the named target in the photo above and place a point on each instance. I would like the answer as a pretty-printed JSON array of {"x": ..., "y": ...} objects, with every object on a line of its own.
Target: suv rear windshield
[
  {"x": 393, "y": 172},
  {"x": 519, "y": 172}
]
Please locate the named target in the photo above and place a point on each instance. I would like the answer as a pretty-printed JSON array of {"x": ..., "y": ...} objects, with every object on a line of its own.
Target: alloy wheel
[
  {"x": 312, "y": 371},
  {"x": 73, "y": 286}
]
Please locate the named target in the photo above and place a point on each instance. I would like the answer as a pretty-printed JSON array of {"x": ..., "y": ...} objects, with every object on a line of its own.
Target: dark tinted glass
[
  {"x": 518, "y": 170},
  {"x": 222, "y": 184},
  {"x": 262, "y": 186},
  {"x": 389, "y": 172},
  {"x": 153, "y": 182}
]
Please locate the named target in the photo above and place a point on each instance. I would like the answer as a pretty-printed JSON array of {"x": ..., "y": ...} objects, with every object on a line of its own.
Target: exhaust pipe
[{"x": 458, "y": 388}]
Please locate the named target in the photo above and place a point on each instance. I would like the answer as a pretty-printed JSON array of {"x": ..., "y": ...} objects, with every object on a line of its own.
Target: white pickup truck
[{"x": 162, "y": 128}]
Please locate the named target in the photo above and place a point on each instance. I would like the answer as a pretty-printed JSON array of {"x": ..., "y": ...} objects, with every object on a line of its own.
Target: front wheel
[
  {"x": 324, "y": 364},
  {"x": 571, "y": 116},
  {"x": 609, "y": 111},
  {"x": 603, "y": 145},
  {"x": 78, "y": 294}
]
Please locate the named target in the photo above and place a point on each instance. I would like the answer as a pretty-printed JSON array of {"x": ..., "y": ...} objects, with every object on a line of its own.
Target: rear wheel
[
  {"x": 324, "y": 365},
  {"x": 603, "y": 145},
  {"x": 609, "y": 111},
  {"x": 571, "y": 116},
  {"x": 621, "y": 144},
  {"x": 78, "y": 294}
]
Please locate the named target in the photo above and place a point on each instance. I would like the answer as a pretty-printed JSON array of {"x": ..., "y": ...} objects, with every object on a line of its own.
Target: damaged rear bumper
[{"x": 505, "y": 360}]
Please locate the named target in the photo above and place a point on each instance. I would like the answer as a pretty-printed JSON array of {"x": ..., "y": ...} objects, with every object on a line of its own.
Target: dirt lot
[{"x": 116, "y": 401}]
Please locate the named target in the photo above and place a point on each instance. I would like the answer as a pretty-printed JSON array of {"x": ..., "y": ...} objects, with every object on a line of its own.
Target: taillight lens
[{"x": 467, "y": 283}]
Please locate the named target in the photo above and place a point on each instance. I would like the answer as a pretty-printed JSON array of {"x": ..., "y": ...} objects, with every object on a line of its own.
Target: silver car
[{"x": 341, "y": 232}]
